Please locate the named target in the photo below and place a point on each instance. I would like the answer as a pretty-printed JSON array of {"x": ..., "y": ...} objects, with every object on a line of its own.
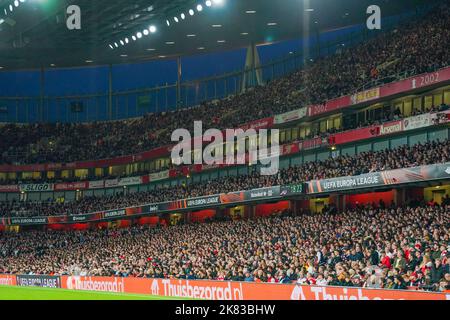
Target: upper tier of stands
[
  {"x": 401, "y": 157},
  {"x": 417, "y": 47}
]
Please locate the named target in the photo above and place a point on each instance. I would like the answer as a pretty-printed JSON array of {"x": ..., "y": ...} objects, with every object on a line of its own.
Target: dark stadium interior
[{"x": 90, "y": 189}]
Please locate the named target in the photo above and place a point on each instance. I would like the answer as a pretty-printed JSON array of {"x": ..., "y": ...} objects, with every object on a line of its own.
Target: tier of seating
[
  {"x": 383, "y": 247},
  {"x": 417, "y": 47},
  {"x": 344, "y": 165}
]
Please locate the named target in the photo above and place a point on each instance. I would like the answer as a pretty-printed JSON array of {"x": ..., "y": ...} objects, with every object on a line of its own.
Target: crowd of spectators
[
  {"x": 416, "y": 47},
  {"x": 391, "y": 248},
  {"x": 402, "y": 157}
]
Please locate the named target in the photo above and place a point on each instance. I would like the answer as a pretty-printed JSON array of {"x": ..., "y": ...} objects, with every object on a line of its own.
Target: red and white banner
[
  {"x": 391, "y": 127},
  {"x": 7, "y": 280},
  {"x": 227, "y": 290},
  {"x": 291, "y": 116},
  {"x": 71, "y": 186},
  {"x": 9, "y": 188}
]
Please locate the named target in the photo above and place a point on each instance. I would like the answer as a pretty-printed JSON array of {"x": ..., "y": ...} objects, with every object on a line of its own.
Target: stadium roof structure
[{"x": 33, "y": 33}]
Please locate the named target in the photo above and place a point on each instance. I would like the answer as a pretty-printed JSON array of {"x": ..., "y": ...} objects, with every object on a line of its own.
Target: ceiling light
[
  {"x": 191, "y": 12},
  {"x": 244, "y": 33},
  {"x": 126, "y": 40},
  {"x": 89, "y": 61},
  {"x": 139, "y": 35},
  {"x": 52, "y": 65},
  {"x": 11, "y": 8},
  {"x": 124, "y": 55},
  {"x": 122, "y": 43},
  {"x": 217, "y": 2},
  {"x": 168, "y": 23},
  {"x": 146, "y": 32},
  {"x": 216, "y": 25},
  {"x": 272, "y": 24},
  {"x": 309, "y": 10},
  {"x": 250, "y": 11},
  {"x": 199, "y": 7},
  {"x": 170, "y": 42},
  {"x": 134, "y": 38},
  {"x": 220, "y": 41},
  {"x": 201, "y": 48},
  {"x": 175, "y": 18},
  {"x": 152, "y": 29},
  {"x": 116, "y": 45},
  {"x": 208, "y": 3},
  {"x": 150, "y": 49},
  {"x": 1, "y": 21},
  {"x": 190, "y": 35},
  {"x": 183, "y": 16},
  {"x": 16, "y": 3},
  {"x": 161, "y": 56},
  {"x": 111, "y": 46}
]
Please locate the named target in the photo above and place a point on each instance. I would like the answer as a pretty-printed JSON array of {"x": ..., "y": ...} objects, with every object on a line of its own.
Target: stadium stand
[
  {"x": 410, "y": 49},
  {"x": 384, "y": 247},
  {"x": 402, "y": 157},
  {"x": 400, "y": 245}
]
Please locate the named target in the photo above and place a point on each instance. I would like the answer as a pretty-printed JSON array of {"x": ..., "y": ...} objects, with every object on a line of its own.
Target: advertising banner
[
  {"x": 391, "y": 127},
  {"x": 96, "y": 184},
  {"x": 291, "y": 116},
  {"x": 80, "y": 218},
  {"x": 71, "y": 186},
  {"x": 354, "y": 135},
  {"x": 312, "y": 143},
  {"x": 130, "y": 181},
  {"x": 28, "y": 221},
  {"x": 39, "y": 281},
  {"x": 36, "y": 187},
  {"x": 9, "y": 188},
  {"x": 376, "y": 179},
  {"x": 258, "y": 124},
  {"x": 7, "y": 280},
  {"x": 159, "y": 176},
  {"x": 417, "y": 122},
  {"x": 365, "y": 96},
  {"x": 329, "y": 106},
  {"x": 111, "y": 183},
  {"x": 232, "y": 291}
]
